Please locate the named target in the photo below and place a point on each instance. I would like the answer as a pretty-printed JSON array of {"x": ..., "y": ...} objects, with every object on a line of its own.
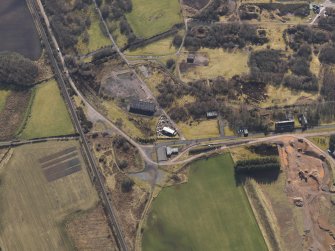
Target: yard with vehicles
[
  {"x": 49, "y": 115},
  {"x": 15, "y": 22},
  {"x": 33, "y": 209},
  {"x": 201, "y": 214},
  {"x": 150, "y": 17}
]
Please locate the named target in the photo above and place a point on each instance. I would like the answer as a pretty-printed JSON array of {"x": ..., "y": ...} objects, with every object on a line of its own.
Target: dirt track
[{"x": 307, "y": 186}]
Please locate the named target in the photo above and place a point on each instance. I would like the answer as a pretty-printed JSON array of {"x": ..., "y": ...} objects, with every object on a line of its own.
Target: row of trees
[{"x": 252, "y": 166}]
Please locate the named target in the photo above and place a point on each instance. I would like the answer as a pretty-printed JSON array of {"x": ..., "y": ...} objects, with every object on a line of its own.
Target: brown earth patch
[
  {"x": 306, "y": 188},
  {"x": 90, "y": 231},
  {"x": 13, "y": 114}
]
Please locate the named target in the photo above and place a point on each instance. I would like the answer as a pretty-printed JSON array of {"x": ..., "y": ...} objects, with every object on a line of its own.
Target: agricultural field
[
  {"x": 37, "y": 195},
  {"x": 15, "y": 23},
  {"x": 201, "y": 214},
  {"x": 151, "y": 17},
  {"x": 96, "y": 38},
  {"x": 89, "y": 230},
  {"x": 49, "y": 115},
  {"x": 200, "y": 129}
]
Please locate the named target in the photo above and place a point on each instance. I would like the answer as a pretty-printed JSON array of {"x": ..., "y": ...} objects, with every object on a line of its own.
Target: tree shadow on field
[{"x": 263, "y": 177}]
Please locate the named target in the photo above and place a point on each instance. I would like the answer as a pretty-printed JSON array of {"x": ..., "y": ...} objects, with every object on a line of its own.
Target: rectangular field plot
[
  {"x": 60, "y": 164},
  {"x": 62, "y": 170},
  {"x": 33, "y": 210},
  {"x": 208, "y": 213}
]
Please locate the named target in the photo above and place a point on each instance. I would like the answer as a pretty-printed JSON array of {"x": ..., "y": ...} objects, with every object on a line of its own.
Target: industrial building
[
  {"x": 142, "y": 107},
  {"x": 284, "y": 126},
  {"x": 168, "y": 131}
]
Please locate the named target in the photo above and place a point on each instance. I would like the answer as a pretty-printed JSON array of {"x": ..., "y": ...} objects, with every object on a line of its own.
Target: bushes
[
  {"x": 327, "y": 55},
  {"x": 298, "y": 9},
  {"x": 267, "y": 66},
  {"x": 302, "y": 83},
  {"x": 127, "y": 185},
  {"x": 332, "y": 143},
  {"x": 177, "y": 41},
  {"x": 252, "y": 166},
  {"x": 228, "y": 35},
  {"x": 17, "y": 70}
]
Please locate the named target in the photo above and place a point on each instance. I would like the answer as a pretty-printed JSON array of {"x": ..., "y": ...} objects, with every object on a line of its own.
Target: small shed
[
  {"x": 142, "y": 107},
  {"x": 190, "y": 58},
  {"x": 211, "y": 115},
  {"x": 171, "y": 150}
]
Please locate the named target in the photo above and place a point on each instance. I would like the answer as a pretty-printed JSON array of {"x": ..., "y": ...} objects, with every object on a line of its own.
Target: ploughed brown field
[{"x": 17, "y": 29}]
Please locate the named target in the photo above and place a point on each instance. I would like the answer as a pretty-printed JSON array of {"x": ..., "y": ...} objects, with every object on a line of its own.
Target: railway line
[{"x": 86, "y": 149}]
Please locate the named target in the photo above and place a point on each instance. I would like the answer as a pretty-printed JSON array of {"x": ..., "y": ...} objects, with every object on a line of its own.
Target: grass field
[
  {"x": 283, "y": 96},
  {"x": 3, "y": 96},
  {"x": 151, "y": 17},
  {"x": 221, "y": 63},
  {"x": 207, "y": 213},
  {"x": 202, "y": 129},
  {"x": 96, "y": 38},
  {"x": 49, "y": 116},
  {"x": 160, "y": 47},
  {"x": 32, "y": 209}
]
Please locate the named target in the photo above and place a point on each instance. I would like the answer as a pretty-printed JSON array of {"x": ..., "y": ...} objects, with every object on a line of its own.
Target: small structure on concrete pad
[
  {"x": 168, "y": 131},
  {"x": 170, "y": 151},
  {"x": 190, "y": 58},
  {"x": 211, "y": 115},
  {"x": 142, "y": 107}
]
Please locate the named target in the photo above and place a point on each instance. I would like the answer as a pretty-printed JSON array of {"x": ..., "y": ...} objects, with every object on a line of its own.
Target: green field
[
  {"x": 49, "y": 116},
  {"x": 208, "y": 213},
  {"x": 151, "y": 17}
]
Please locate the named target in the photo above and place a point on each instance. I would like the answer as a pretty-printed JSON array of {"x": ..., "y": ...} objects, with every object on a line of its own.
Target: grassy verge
[
  {"x": 151, "y": 17},
  {"x": 208, "y": 213},
  {"x": 49, "y": 116},
  {"x": 321, "y": 141}
]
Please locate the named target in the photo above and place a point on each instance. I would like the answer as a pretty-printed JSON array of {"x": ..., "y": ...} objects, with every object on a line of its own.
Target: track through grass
[{"x": 208, "y": 213}]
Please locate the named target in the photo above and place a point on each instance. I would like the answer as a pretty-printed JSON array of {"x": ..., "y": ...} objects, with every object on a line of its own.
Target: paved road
[{"x": 110, "y": 213}]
